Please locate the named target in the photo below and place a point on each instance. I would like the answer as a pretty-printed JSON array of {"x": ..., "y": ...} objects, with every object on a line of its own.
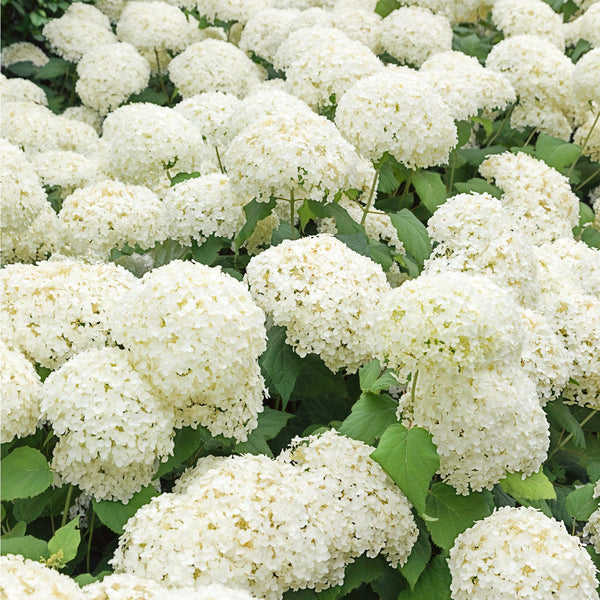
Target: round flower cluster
[
  {"x": 396, "y": 111},
  {"x": 231, "y": 10},
  {"x": 359, "y": 24},
  {"x": 196, "y": 336},
  {"x": 412, "y": 34},
  {"x": 80, "y": 29},
  {"x": 95, "y": 219},
  {"x": 145, "y": 139},
  {"x": 520, "y": 553},
  {"x": 465, "y": 85},
  {"x": 111, "y": 428},
  {"x": 85, "y": 114},
  {"x": 22, "y": 578},
  {"x": 458, "y": 11},
  {"x": 214, "y": 66},
  {"x": 21, "y": 386},
  {"x": 324, "y": 294},
  {"x": 56, "y": 309},
  {"x": 476, "y": 234},
  {"x": 109, "y": 74},
  {"x": 585, "y": 27},
  {"x": 21, "y": 90},
  {"x": 537, "y": 196},
  {"x": 23, "y": 52},
  {"x": 294, "y": 153},
  {"x": 588, "y": 135}
]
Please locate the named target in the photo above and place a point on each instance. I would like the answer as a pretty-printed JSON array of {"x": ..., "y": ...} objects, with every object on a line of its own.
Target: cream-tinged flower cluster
[
  {"x": 55, "y": 309},
  {"x": 589, "y": 135},
  {"x": 476, "y": 234},
  {"x": 80, "y": 29},
  {"x": 144, "y": 139},
  {"x": 268, "y": 526},
  {"x": 196, "y": 335},
  {"x": 112, "y": 430},
  {"x": 412, "y": 34},
  {"x": 21, "y": 90},
  {"x": 541, "y": 76},
  {"x": 109, "y": 74},
  {"x": 85, "y": 114},
  {"x": 240, "y": 11},
  {"x": 21, "y": 386},
  {"x": 458, "y": 11},
  {"x": 585, "y": 27},
  {"x": 25, "y": 579},
  {"x": 520, "y": 553},
  {"x": 214, "y": 66},
  {"x": 95, "y": 219},
  {"x": 294, "y": 152},
  {"x": 397, "y": 111},
  {"x": 535, "y": 17},
  {"x": 359, "y": 24},
  {"x": 465, "y": 85},
  {"x": 204, "y": 206},
  {"x": 324, "y": 294},
  {"x": 23, "y": 52},
  {"x": 537, "y": 196},
  {"x": 592, "y": 527}
]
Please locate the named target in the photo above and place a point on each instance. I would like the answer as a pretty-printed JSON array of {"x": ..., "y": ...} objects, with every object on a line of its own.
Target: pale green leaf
[
  {"x": 25, "y": 473},
  {"x": 535, "y": 487}
]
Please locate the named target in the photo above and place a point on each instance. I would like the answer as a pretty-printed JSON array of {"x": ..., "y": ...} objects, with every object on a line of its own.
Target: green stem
[
  {"x": 367, "y": 208},
  {"x": 530, "y": 136},
  {"x": 587, "y": 139},
  {"x": 413, "y": 391},
  {"x": 568, "y": 438},
  {"x": 67, "y": 505},
  {"x": 451, "y": 180},
  {"x": 292, "y": 214},
  {"x": 506, "y": 117},
  {"x": 89, "y": 545},
  {"x": 219, "y": 160},
  {"x": 160, "y": 74},
  {"x": 588, "y": 179}
]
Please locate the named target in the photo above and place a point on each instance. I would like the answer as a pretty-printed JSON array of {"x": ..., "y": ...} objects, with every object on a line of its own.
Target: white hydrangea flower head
[
  {"x": 447, "y": 323},
  {"x": 476, "y": 234},
  {"x": 332, "y": 66},
  {"x": 324, "y": 294},
  {"x": 80, "y": 29},
  {"x": 95, "y": 219},
  {"x": 484, "y": 422},
  {"x": 53, "y": 310},
  {"x": 397, "y": 111},
  {"x": 377, "y": 514},
  {"x": 21, "y": 90},
  {"x": 585, "y": 27},
  {"x": 211, "y": 113},
  {"x": 542, "y": 78},
  {"x": 589, "y": 134},
  {"x": 520, "y": 552},
  {"x": 112, "y": 430},
  {"x": 359, "y": 24},
  {"x": 294, "y": 152},
  {"x": 84, "y": 114},
  {"x": 465, "y": 85},
  {"x": 367, "y": 5},
  {"x": 143, "y": 138},
  {"x": 544, "y": 356},
  {"x": 240, "y": 11},
  {"x": 535, "y": 17},
  {"x": 23, "y": 52},
  {"x": 458, "y": 11},
  {"x": 204, "y": 206},
  {"x": 412, "y": 34},
  {"x": 21, "y": 386},
  {"x": 214, "y": 66},
  {"x": 213, "y": 591},
  {"x": 537, "y": 196},
  {"x": 123, "y": 586},
  {"x": 109, "y": 74},
  {"x": 196, "y": 335},
  {"x": 22, "y": 578}
]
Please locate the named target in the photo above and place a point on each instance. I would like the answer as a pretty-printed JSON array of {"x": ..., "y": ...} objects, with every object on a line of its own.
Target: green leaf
[
  {"x": 165, "y": 252},
  {"x": 370, "y": 416},
  {"x": 151, "y": 96},
  {"x": 479, "y": 186},
  {"x": 2, "y": 512},
  {"x": 434, "y": 583},
  {"x": 67, "y": 539},
  {"x": 25, "y": 69},
  {"x": 55, "y": 67},
  {"x": 28, "y": 546},
  {"x": 413, "y": 234},
  {"x": 430, "y": 188},
  {"x": 369, "y": 374},
  {"x": 535, "y": 487},
  {"x": 454, "y": 513},
  {"x": 29, "y": 509},
  {"x": 487, "y": 125},
  {"x": 463, "y": 129},
  {"x": 115, "y": 514},
  {"x": 255, "y": 211},
  {"x": 184, "y": 177},
  {"x": 591, "y": 237},
  {"x": 280, "y": 365},
  {"x": 385, "y": 382},
  {"x": 560, "y": 414},
  {"x": 25, "y": 473},
  {"x": 556, "y": 153},
  {"x": 385, "y": 7},
  {"x": 208, "y": 252},
  {"x": 410, "y": 458},
  {"x": 418, "y": 559},
  {"x": 318, "y": 382},
  {"x": 362, "y": 570},
  {"x": 186, "y": 443},
  {"x": 586, "y": 214},
  {"x": 270, "y": 423},
  {"x": 581, "y": 503},
  {"x": 18, "y": 530},
  {"x": 475, "y": 156}
]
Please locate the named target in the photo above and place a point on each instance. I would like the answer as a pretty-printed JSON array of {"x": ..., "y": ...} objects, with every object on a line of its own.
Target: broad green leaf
[
  {"x": 430, "y": 188},
  {"x": 591, "y": 237},
  {"x": 454, "y": 513},
  {"x": 2, "y": 512},
  {"x": 556, "y": 153},
  {"x": 535, "y": 487},
  {"x": 418, "y": 559},
  {"x": 475, "y": 156},
  {"x": 18, "y": 530},
  {"x": 165, "y": 252},
  {"x": 115, "y": 514},
  {"x": 385, "y": 382},
  {"x": 413, "y": 234},
  {"x": 487, "y": 125},
  {"x": 560, "y": 414},
  {"x": 370, "y": 416},
  {"x": 67, "y": 539},
  {"x": 362, "y": 570},
  {"x": 255, "y": 211},
  {"x": 369, "y": 374},
  {"x": 581, "y": 503},
  {"x": 270, "y": 423},
  {"x": 24, "y": 68},
  {"x": 25, "y": 473},
  {"x": 184, "y": 177},
  {"x": 410, "y": 458},
  {"x": 434, "y": 583},
  {"x": 586, "y": 214},
  {"x": 280, "y": 365},
  {"x": 151, "y": 96},
  {"x": 55, "y": 67},
  {"x": 387, "y": 182},
  {"x": 463, "y": 129},
  {"x": 28, "y": 546},
  {"x": 187, "y": 442},
  {"x": 29, "y": 509},
  {"x": 318, "y": 382},
  {"x": 207, "y": 253},
  {"x": 385, "y": 7},
  {"x": 480, "y": 186}
]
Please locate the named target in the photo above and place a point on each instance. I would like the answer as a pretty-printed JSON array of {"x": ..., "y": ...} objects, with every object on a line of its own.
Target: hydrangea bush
[{"x": 300, "y": 299}]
